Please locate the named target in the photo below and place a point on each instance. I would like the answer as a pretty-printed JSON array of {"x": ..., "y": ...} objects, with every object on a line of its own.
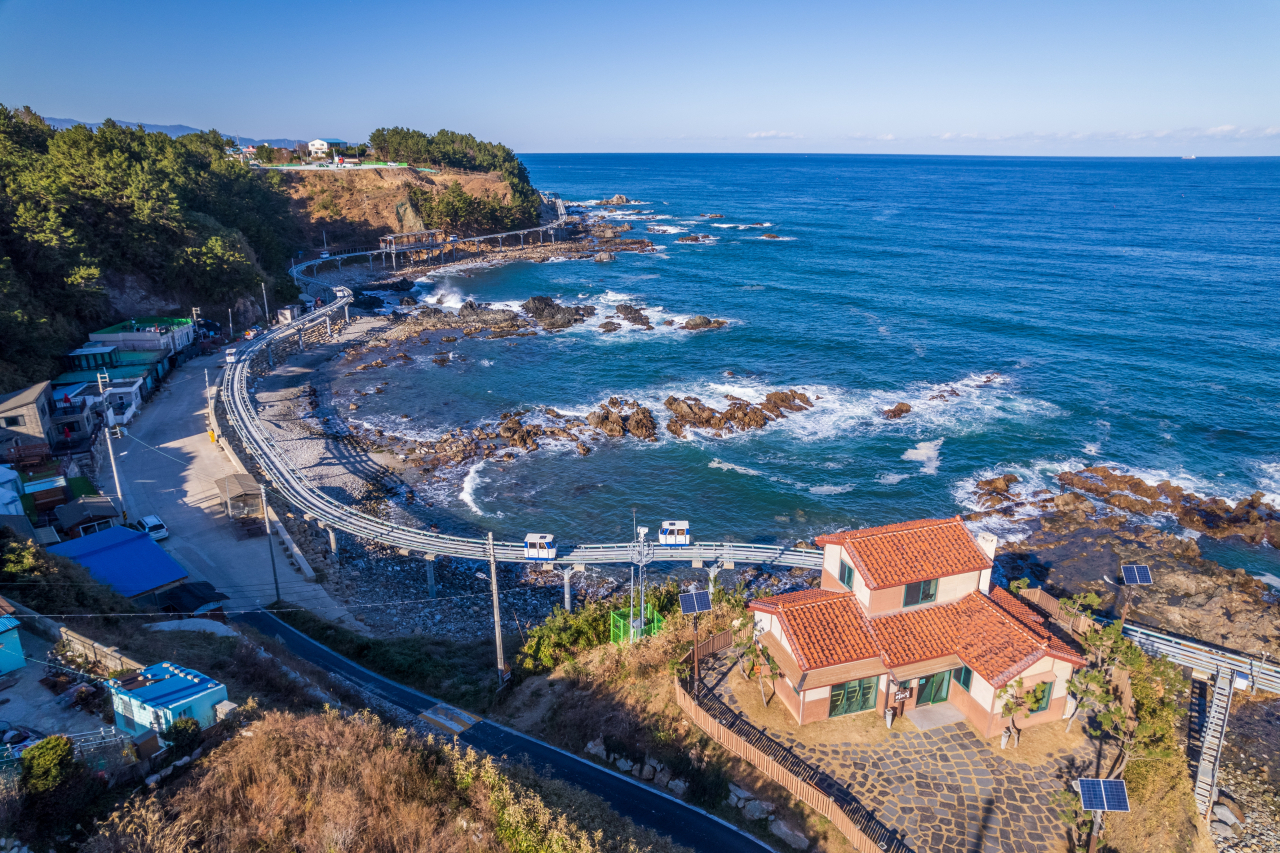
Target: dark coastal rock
[
  {"x": 640, "y": 423},
  {"x": 770, "y": 237},
  {"x": 609, "y": 326},
  {"x": 552, "y": 315},
  {"x": 692, "y": 413},
  {"x": 608, "y": 422},
  {"x": 634, "y": 316},
  {"x": 897, "y": 411},
  {"x": 617, "y": 199},
  {"x": 700, "y": 322},
  {"x": 408, "y": 301},
  {"x": 714, "y": 215},
  {"x": 401, "y": 285},
  {"x": 694, "y": 238},
  {"x": 604, "y": 257}
]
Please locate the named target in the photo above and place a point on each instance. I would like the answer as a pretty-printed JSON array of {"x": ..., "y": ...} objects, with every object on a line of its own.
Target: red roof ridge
[{"x": 842, "y": 536}]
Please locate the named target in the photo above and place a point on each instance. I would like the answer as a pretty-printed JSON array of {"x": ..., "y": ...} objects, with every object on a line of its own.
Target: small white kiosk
[
  {"x": 540, "y": 547},
  {"x": 673, "y": 533}
]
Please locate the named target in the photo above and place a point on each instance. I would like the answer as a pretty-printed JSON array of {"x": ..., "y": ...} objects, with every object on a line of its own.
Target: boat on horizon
[{"x": 1188, "y": 157}]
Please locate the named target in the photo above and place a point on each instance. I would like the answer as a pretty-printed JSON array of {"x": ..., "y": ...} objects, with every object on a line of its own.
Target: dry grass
[
  {"x": 325, "y": 783},
  {"x": 1163, "y": 819}
]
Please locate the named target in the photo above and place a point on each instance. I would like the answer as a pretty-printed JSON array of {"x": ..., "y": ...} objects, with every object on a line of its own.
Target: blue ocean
[{"x": 1038, "y": 315}]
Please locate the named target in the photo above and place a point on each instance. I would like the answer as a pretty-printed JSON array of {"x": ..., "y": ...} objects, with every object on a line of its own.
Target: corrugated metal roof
[
  {"x": 8, "y": 623},
  {"x": 123, "y": 558}
]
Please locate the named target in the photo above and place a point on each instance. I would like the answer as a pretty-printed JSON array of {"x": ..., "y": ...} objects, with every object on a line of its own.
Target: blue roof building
[
  {"x": 164, "y": 692},
  {"x": 11, "y": 655},
  {"x": 127, "y": 560}
]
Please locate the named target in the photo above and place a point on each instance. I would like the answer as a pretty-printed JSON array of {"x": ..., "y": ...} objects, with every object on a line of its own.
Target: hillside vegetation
[
  {"x": 325, "y": 783},
  {"x": 79, "y": 208},
  {"x": 445, "y": 203},
  {"x": 99, "y": 225}
]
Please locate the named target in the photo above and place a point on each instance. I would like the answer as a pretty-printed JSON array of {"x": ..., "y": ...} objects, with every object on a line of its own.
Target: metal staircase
[{"x": 1213, "y": 737}]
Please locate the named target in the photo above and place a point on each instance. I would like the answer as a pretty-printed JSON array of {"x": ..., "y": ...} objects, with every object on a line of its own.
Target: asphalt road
[{"x": 685, "y": 824}]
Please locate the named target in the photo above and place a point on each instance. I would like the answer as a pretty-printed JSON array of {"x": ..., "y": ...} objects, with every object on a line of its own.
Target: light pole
[
  {"x": 497, "y": 614},
  {"x": 266, "y": 310}
]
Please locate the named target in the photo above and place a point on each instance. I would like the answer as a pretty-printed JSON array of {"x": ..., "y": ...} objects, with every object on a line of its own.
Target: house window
[
  {"x": 15, "y": 421},
  {"x": 923, "y": 592},
  {"x": 853, "y": 696},
  {"x": 846, "y": 575},
  {"x": 962, "y": 676},
  {"x": 1044, "y": 700},
  {"x": 86, "y": 529},
  {"x": 128, "y": 723}
]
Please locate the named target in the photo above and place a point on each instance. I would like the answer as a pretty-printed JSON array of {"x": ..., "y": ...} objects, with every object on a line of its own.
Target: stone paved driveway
[{"x": 945, "y": 789}]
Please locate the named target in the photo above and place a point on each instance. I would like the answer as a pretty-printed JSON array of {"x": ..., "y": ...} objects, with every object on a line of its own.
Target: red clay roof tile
[
  {"x": 910, "y": 551},
  {"x": 826, "y": 628}
]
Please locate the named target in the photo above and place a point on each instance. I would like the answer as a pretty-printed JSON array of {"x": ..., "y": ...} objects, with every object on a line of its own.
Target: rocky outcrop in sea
[{"x": 740, "y": 416}]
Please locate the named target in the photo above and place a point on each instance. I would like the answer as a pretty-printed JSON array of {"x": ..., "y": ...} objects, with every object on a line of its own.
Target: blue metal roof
[
  {"x": 8, "y": 623},
  {"x": 173, "y": 685},
  {"x": 127, "y": 560}
]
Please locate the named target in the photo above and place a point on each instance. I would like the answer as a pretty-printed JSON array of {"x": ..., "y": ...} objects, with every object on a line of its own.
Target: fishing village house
[{"x": 906, "y": 617}]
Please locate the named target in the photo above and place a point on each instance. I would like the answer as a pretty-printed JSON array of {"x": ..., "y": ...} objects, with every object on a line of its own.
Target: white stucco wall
[
  {"x": 956, "y": 587},
  {"x": 982, "y": 692}
]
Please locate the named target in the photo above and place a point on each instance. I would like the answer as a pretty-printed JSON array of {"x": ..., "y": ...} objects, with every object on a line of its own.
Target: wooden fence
[
  {"x": 818, "y": 790},
  {"x": 1053, "y": 608}
]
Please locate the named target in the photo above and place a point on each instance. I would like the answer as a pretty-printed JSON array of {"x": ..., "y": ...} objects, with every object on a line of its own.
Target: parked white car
[{"x": 154, "y": 527}]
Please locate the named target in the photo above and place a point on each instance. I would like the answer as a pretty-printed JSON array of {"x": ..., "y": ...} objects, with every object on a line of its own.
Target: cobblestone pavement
[{"x": 945, "y": 789}]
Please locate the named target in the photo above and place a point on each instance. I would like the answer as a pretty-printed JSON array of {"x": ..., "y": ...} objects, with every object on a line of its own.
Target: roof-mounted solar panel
[{"x": 1137, "y": 574}]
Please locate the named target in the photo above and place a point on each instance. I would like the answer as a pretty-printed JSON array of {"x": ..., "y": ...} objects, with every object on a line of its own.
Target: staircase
[{"x": 1213, "y": 735}]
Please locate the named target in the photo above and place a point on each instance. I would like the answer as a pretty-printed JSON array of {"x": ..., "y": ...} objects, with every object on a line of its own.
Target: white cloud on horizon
[{"x": 773, "y": 134}]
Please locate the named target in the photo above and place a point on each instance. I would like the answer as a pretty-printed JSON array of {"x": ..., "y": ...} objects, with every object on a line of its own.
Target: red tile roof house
[{"x": 906, "y": 616}]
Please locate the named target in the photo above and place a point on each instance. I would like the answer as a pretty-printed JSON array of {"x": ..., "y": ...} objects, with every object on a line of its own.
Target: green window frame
[
  {"x": 920, "y": 592},
  {"x": 962, "y": 676},
  {"x": 854, "y": 696},
  {"x": 1044, "y": 701},
  {"x": 846, "y": 575}
]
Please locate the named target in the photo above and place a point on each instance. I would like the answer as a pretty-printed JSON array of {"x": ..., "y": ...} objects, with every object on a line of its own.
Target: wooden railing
[{"x": 815, "y": 788}]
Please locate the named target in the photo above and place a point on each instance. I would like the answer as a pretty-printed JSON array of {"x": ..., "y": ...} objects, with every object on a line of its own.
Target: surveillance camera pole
[{"x": 641, "y": 553}]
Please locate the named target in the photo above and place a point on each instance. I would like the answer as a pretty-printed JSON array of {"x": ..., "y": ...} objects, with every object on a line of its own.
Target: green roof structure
[{"x": 143, "y": 323}]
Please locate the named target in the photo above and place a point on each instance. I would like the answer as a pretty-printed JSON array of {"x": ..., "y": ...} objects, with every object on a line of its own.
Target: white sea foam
[
  {"x": 831, "y": 490},
  {"x": 666, "y": 229},
  {"x": 773, "y": 239},
  {"x": 1091, "y": 448},
  {"x": 469, "y": 484},
  {"x": 1269, "y": 482},
  {"x": 729, "y": 466},
  {"x": 926, "y": 453},
  {"x": 484, "y": 362},
  {"x": 891, "y": 479},
  {"x": 444, "y": 295}
]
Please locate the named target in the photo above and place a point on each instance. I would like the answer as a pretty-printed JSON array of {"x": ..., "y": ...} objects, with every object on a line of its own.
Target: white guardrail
[{"x": 294, "y": 486}]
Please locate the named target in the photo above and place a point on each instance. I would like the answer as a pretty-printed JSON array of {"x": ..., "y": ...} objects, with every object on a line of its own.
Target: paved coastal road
[{"x": 644, "y": 805}]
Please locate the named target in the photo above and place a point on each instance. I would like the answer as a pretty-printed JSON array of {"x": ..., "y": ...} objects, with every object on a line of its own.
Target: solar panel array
[
  {"x": 1104, "y": 795},
  {"x": 695, "y": 602},
  {"x": 1136, "y": 574}
]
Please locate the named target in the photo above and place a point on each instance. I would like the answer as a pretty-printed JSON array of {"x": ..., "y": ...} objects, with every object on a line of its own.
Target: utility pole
[
  {"x": 103, "y": 379},
  {"x": 266, "y": 519},
  {"x": 266, "y": 310},
  {"x": 231, "y": 331},
  {"x": 497, "y": 614}
]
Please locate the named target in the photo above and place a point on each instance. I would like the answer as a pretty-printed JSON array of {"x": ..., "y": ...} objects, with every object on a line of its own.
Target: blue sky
[{"x": 1049, "y": 78}]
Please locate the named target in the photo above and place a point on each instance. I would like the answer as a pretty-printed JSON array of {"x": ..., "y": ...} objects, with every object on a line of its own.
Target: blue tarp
[{"x": 127, "y": 560}]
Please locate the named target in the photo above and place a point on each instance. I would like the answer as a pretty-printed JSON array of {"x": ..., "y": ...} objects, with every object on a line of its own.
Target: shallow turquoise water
[{"x": 1128, "y": 306}]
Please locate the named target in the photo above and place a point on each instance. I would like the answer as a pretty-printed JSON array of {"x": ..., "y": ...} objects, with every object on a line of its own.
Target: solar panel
[
  {"x": 1104, "y": 795},
  {"x": 1117, "y": 797},
  {"x": 1091, "y": 799},
  {"x": 695, "y": 602},
  {"x": 1136, "y": 574}
]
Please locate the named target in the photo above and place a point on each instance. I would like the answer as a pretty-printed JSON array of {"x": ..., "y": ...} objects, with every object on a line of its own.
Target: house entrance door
[{"x": 934, "y": 688}]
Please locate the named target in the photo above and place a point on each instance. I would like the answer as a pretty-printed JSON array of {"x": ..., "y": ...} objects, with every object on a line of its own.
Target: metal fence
[{"x": 815, "y": 788}]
